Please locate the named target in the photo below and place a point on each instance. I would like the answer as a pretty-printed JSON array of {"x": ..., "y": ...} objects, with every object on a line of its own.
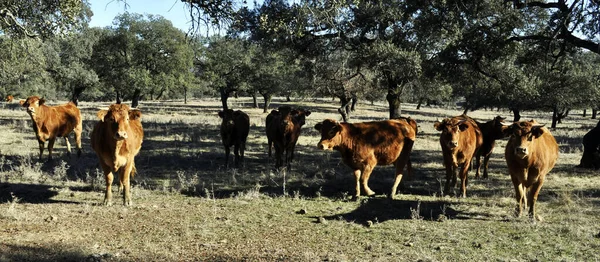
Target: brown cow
[
  {"x": 460, "y": 139},
  {"x": 50, "y": 122},
  {"x": 234, "y": 132},
  {"x": 283, "y": 129},
  {"x": 364, "y": 145},
  {"x": 9, "y": 99},
  {"x": 530, "y": 154},
  {"x": 117, "y": 139},
  {"x": 491, "y": 130}
]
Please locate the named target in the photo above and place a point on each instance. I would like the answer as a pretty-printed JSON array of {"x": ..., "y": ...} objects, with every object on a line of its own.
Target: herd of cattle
[{"x": 117, "y": 137}]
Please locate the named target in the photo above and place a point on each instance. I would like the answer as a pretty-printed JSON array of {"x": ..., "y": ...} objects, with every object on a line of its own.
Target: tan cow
[
  {"x": 365, "y": 145},
  {"x": 460, "y": 139},
  {"x": 50, "y": 122},
  {"x": 283, "y": 129},
  {"x": 9, "y": 99},
  {"x": 117, "y": 139},
  {"x": 234, "y": 132},
  {"x": 530, "y": 154}
]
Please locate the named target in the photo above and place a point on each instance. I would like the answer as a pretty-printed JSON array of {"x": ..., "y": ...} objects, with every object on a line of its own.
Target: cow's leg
[
  {"x": 125, "y": 174},
  {"x": 242, "y": 150},
  {"x": 449, "y": 172},
  {"x": 519, "y": 195},
  {"x": 477, "y": 165},
  {"x": 486, "y": 162},
  {"x": 534, "y": 191},
  {"x": 41, "y": 146},
  {"x": 77, "y": 130},
  {"x": 403, "y": 159},
  {"x": 227, "y": 156},
  {"x": 270, "y": 145},
  {"x": 108, "y": 176},
  {"x": 278, "y": 155},
  {"x": 366, "y": 173},
  {"x": 357, "y": 173},
  {"x": 236, "y": 152},
  {"x": 50, "y": 147},
  {"x": 464, "y": 172},
  {"x": 68, "y": 146}
]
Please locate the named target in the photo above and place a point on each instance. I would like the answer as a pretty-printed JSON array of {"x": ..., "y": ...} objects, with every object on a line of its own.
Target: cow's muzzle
[
  {"x": 521, "y": 152},
  {"x": 322, "y": 146},
  {"x": 121, "y": 135},
  {"x": 452, "y": 144}
]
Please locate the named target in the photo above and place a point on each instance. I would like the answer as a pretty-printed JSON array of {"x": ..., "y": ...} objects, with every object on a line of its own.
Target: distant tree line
[{"x": 515, "y": 55}]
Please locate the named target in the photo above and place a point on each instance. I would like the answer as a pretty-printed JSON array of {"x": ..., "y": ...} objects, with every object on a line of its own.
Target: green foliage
[
  {"x": 143, "y": 53},
  {"x": 44, "y": 18}
]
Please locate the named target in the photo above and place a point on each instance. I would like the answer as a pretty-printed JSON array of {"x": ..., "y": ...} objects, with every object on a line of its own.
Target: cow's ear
[
  {"x": 21, "y": 102},
  {"x": 463, "y": 127},
  {"x": 318, "y": 126},
  {"x": 221, "y": 114},
  {"x": 42, "y": 101},
  {"x": 437, "y": 125},
  {"x": 101, "y": 114},
  {"x": 307, "y": 113},
  {"x": 135, "y": 114},
  {"x": 537, "y": 131}
]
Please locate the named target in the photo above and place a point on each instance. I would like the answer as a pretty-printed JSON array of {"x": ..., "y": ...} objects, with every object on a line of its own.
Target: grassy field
[{"x": 188, "y": 207}]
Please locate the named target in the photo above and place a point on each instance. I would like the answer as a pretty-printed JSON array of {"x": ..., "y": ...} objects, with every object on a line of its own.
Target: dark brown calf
[
  {"x": 491, "y": 130},
  {"x": 117, "y": 139},
  {"x": 460, "y": 139},
  {"x": 530, "y": 154},
  {"x": 365, "y": 145},
  {"x": 50, "y": 122},
  {"x": 283, "y": 129},
  {"x": 234, "y": 132}
]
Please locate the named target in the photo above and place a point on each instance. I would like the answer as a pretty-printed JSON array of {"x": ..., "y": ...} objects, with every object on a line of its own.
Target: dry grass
[{"x": 188, "y": 207}]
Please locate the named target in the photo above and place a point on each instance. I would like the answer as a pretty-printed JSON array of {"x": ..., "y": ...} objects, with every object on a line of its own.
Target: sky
[{"x": 173, "y": 10}]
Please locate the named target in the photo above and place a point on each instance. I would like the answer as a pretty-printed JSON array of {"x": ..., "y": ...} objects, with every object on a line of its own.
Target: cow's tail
[{"x": 133, "y": 171}]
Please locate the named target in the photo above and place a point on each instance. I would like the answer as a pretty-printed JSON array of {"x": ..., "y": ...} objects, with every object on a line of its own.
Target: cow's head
[
  {"x": 330, "y": 134},
  {"x": 228, "y": 117},
  {"x": 9, "y": 98},
  {"x": 299, "y": 115},
  {"x": 497, "y": 127},
  {"x": 451, "y": 129},
  {"x": 32, "y": 104},
  {"x": 118, "y": 117},
  {"x": 522, "y": 134}
]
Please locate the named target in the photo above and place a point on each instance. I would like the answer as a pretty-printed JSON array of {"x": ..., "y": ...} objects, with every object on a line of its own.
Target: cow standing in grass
[
  {"x": 460, "y": 139},
  {"x": 117, "y": 139},
  {"x": 9, "y": 99},
  {"x": 530, "y": 154},
  {"x": 491, "y": 131},
  {"x": 50, "y": 122},
  {"x": 234, "y": 132},
  {"x": 283, "y": 129},
  {"x": 365, "y": 145}
]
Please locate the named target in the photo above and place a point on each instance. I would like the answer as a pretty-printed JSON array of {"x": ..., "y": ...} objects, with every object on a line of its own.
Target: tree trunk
[
  {"x": 395, "y": 105},
  {"x": 466, "y": 110},
  {"x": 287, "y": 98},
  {"x": 267, "y": 98},
  {"x": 255, "y": 100},
  {"x": 136, "y": 98},
  {"x": 516, "y": 114},
  {"x": 76, "y": 93},
  {"x": 594, "y": 113},
  {"x": 344, "y": 110},
  {"x": 118, "y": 97},
  {"x": 554, "y": 117},
  {"x": 584, "y": 112},
  {"x": 354, "y": 101},
  {"x": 419, "y": 103},
  {"x": 185, "y": 91}
]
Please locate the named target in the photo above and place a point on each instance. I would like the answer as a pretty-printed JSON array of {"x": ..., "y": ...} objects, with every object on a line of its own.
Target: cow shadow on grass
[
  {"x": 13, "y": 252},
  {"x": 382, "y": 209},
  {"x": 30, "y": 193}
]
